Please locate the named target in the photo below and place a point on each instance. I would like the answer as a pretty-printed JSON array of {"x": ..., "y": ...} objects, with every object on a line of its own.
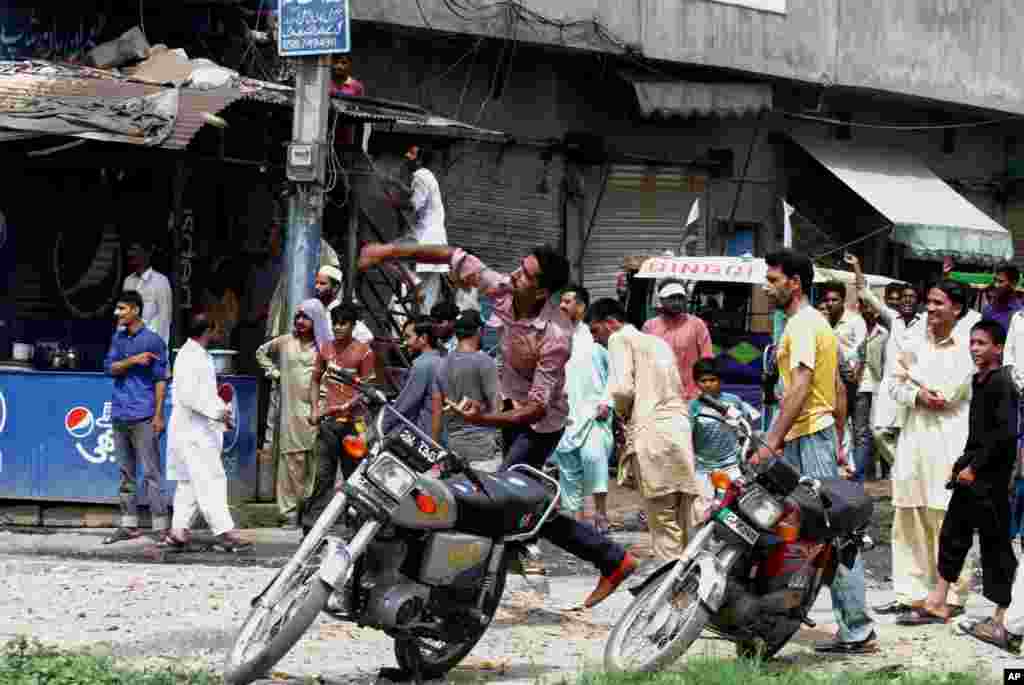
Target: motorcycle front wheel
[
  {"x": 270, "y": 631},
  {"x": 659, "y": 626}
]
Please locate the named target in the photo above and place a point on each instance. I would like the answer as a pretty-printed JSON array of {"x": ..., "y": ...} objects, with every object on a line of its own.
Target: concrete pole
[{"x": 305, "y": 206}]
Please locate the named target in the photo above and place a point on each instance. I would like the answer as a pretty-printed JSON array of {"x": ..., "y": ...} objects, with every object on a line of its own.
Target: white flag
[
  {"x": 694, "y": 213},
  {"x": 787, "y": 234}
]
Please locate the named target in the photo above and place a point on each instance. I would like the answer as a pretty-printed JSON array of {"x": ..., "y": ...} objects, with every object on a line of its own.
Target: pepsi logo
[
  {"x": 3, "y": 412},
  {"x": 80, "y": 423},
  {"x": 225, "y": 391}
]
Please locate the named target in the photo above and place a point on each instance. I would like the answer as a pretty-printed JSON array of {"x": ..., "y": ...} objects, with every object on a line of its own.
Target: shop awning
[
  {"x": 667, "y": 99},
  {"x": 928, "y": 216}
]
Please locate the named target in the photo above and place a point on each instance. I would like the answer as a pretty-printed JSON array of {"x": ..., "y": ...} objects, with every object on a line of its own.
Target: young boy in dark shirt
[{"x": 980, "y": 480}]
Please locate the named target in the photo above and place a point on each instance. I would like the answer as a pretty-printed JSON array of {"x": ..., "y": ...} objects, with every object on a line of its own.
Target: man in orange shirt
[
  {"x": 342, "y": 411},
  {"x": 686, "y": 334}
]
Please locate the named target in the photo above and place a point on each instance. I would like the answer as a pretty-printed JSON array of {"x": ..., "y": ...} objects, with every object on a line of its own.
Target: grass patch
[
  {"x": 29, "y": 662},
  {"x": 745, "y": 672}
]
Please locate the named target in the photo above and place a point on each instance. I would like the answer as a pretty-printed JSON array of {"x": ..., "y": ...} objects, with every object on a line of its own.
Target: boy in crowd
[
  {"x": 715, "y": 446},
  {"x": 979, "y": 480}
]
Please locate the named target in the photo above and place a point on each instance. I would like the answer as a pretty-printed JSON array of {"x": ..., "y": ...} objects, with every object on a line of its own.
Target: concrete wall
[{"x": 961, "y": 51}]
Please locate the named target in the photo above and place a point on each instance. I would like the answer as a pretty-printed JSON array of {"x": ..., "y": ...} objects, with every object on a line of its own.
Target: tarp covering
[{"x": 928, "y": 216}]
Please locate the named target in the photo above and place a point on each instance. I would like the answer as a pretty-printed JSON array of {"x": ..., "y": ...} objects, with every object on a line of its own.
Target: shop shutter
[
  {"x": 642, "y": 212},
  {"x": 500, "y": 202}
]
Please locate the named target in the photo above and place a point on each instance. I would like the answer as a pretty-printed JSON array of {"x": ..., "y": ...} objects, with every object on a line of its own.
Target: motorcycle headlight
[
  {"x": 761, "y": 507},
  {"x": 391, "y": 476}
]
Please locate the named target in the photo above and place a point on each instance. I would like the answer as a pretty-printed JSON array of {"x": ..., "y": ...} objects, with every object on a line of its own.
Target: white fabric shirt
[
  {"x": 1013, "y": 352},
  {"x": 157, "y": 302},
  {"x": 873, "y": 358},
  {"x": 931, "y": 441},
  {"x": 361, "y": 332},
  {"x": 194, "y": 430},
  {"x": 429, "y": 211},
  {"x": 851, "y": 331},
  {"x": 886, "y": 412}
]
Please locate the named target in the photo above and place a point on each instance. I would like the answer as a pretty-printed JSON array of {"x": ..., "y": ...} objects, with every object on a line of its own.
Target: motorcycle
[
  {"x": 752, "y": 570},
  {"x": 426, "y": 565}
]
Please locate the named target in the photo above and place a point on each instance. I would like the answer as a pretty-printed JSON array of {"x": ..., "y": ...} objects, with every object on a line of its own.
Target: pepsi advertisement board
[{"x": 57, "y": 439}]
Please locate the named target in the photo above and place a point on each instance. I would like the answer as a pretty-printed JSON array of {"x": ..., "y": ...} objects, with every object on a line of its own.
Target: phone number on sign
[{"x": 326, "y": 43}]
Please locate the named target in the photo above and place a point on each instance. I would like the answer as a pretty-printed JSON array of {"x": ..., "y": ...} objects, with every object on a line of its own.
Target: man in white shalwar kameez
[
  {"x": 934, "y": 384},
  {"x": 195, "y": 439}
]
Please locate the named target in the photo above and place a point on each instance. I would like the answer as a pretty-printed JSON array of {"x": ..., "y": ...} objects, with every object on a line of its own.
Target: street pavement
[{"x": 66, "y": 588}]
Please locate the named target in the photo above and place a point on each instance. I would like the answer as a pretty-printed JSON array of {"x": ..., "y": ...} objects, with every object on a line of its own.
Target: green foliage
[
  {"x": 744, "y": 672},
  {"x": 29, "y": 662}
]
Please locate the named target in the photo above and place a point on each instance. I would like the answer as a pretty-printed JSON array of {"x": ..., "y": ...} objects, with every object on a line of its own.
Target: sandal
[
  {"x": 121, "y": 535},
  {"x": 921, "y": 616},
  {"x": 994, "y": 634},
  {"x": 226, "y": 542},
  {"x": 168, "y": 541}
]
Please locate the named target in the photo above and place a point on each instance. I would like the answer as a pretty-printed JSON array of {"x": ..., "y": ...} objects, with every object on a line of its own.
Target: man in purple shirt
[
  {"x": 1004, "y": 301},
  {"x": 535, "y": 346},
  {"x": 137, "y": 360}
]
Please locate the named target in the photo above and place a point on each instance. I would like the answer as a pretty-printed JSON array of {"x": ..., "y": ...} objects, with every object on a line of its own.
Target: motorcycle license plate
[
  {"x": 421, "y": 447},
  {"x": 730, "y": 520}
]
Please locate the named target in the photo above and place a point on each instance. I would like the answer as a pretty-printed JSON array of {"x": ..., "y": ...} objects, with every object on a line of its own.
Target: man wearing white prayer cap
[{"x": 328, "y": 290}]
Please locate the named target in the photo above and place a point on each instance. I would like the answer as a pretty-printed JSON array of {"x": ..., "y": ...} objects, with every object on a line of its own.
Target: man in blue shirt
[
  {"x": 138, "y": 362},
  {"x": 416, "y": 401},
  {"x": 1004, "y": 302}
]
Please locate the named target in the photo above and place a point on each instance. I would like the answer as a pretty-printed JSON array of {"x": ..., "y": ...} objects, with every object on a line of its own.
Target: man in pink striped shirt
[
  {"x": 535, "y": 344},
  {"x": 686, "y": 334}
]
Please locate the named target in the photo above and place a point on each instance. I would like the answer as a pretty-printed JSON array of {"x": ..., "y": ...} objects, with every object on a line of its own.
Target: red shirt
[
  {"x": 345, "y": 135},
  {"x": 689, "y": 339},
  {"x": 356, "y": 358}
]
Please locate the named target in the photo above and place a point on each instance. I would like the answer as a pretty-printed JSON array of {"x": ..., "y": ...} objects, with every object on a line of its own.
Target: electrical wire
[
  {"x": 142, "y": 18},
  {"x": 423, "y": 15},
  {"x": 901, "y": 127}
]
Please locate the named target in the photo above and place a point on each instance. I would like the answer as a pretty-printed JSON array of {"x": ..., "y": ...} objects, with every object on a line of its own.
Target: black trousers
[
  {"x": 987, "y": 511},
  {"x": 526, "y": 446},
  {"x": 330, "y": 454}
]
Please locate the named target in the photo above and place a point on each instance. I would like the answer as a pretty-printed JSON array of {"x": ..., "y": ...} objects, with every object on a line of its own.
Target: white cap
[
  {"x": 670, "y": 289},
  {"x": 331, "y": 271}
]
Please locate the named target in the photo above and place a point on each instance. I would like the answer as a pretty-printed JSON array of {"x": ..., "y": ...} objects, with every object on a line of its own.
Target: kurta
[
  {"x": 296, "y": 433},
  {"x": 195, "y": 430},
  {"x": 886, "y": 412},
  {"x": 931, "y": 441},
  {"x": 645, "y": 386},
  {"x": 586, "y": 386}
]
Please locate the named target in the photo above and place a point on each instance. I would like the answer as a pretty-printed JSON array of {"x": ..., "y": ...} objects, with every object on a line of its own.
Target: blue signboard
[
  {"x": 57, "y": 443},
  {"x": 312, "y": 27}
]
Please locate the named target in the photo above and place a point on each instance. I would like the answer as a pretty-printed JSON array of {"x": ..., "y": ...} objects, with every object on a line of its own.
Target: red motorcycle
[{"x": 753, "y": 569}]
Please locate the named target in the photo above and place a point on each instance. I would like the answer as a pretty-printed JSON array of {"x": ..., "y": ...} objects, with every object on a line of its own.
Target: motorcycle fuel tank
[{"x": 430, "y": 506}]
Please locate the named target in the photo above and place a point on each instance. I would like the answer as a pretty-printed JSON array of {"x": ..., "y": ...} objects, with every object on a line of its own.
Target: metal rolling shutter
[
  {"x": 642, "y": 212},
  {"x": 494, "y": 208}
]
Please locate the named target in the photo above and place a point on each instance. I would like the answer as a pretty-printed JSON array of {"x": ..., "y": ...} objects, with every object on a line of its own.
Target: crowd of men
[{"x": 869, "y": 388}]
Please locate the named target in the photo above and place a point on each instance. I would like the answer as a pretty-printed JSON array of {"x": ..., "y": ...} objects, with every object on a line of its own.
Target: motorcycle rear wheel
[
  {"x": 270, "y": 632},
  {"x": 435, "y": 663},
  {"x": 674, "y": 625}
]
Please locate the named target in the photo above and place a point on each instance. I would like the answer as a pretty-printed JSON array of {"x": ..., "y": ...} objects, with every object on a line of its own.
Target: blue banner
[
  {"x": 313, "y": 27},
  {"x": 57, "y": 442}
]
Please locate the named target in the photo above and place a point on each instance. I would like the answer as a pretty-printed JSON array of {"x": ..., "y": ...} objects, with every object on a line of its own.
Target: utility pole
[
  {"x": 306, "y": 166},
  {"x": 310, "y": 31}
]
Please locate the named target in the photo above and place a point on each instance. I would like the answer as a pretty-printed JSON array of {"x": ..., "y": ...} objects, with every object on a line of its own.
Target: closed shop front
[
  {"x": 643, "y": 210},
  {"x": 502, "y": 201}
]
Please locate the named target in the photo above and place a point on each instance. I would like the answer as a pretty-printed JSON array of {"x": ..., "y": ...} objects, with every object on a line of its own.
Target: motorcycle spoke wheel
[
  {"x": 650, "y": 637},
  {"x": 270, "y": 631}
]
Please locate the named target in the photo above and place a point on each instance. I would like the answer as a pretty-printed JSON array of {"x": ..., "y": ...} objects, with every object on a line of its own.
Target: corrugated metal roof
[
  {"x": 24, "y": 84},
  {"x": 28, "y": 86}
]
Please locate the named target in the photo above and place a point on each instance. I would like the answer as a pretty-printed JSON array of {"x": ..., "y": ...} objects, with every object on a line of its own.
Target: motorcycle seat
[
  {"x": 510, "y": 503},
  {"x": 849, "y": 509}
]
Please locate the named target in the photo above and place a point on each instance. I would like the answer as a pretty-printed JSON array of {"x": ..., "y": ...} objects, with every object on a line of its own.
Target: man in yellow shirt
[{"x": 808, "y": 429}]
